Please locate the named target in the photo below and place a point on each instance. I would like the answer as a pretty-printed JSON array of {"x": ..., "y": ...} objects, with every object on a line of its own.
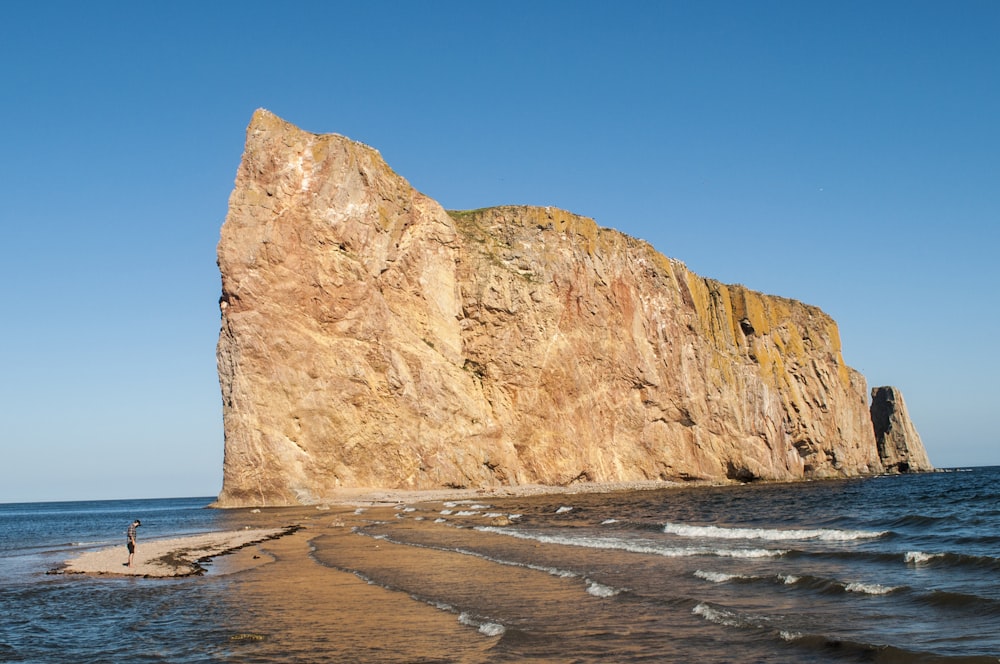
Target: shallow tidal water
[{"x": 892, "y": 569}]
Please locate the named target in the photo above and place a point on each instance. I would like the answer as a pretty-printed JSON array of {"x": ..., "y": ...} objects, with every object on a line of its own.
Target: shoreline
[
  {"x": 170, "y": 558},
  {"x": 183, "y": 556},
  {"x": 178, "y": 557},
  {"x": 371, "y": 497}
]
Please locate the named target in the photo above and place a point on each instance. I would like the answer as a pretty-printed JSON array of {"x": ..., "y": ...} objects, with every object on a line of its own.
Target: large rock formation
[
  {"x": 899, "y": 444},
  {"x": 372, "y": 339}
]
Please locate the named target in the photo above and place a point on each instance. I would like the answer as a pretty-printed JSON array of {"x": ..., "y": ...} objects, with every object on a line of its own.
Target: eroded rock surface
[
  {"x": 898, "y": 442},
  {"x": 372, "y": 339}
]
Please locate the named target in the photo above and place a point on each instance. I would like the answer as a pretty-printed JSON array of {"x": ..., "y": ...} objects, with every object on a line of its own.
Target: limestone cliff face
[{"x": 372, "y": 339}]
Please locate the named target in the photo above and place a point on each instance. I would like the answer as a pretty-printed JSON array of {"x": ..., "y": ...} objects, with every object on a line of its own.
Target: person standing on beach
[{"x": 131, "y": 540}]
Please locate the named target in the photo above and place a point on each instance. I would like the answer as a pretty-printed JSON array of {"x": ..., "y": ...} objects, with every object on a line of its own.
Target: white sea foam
[
  {"x": 771, "y": 534},
  {"x": 564, "y": 509},
  {"x": 715, "y": 615},
  {"x": 440, "y": 605},
  {"x": 747, "y": 553},
  {"x": 440, "y": 520},
  {"x": 730, "y": 618},
  {"x": 635, "y": 546},
  {"x": 485, "y": 627},
  {"x": 718, "y": 577},
  {"x": 788, "y": 579},
  {"x": 466, "y": 513},
  {"x": 360, "y": 510},
  {"x": 869, "y": 588},
  {"x": 492, "y": 629},
  {"x": 94, "y": 543},
  {"x": 601, "y": 590},
  {"x": 607, "y": 522},
  {"x": 492, "y": 515},
  {"x": 447, "y": 512},
  {"x": 480, "y": 507},
  {"x": 514, "y": 516},
  {"x": 918, "y": 557},
  {"x": 789, "y": 636}
]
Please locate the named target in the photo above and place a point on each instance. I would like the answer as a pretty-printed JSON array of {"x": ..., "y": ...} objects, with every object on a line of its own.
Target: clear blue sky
[{"x": 846, "y": 154}]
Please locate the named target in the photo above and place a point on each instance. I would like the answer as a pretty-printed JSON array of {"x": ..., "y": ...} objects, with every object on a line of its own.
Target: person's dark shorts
[{"x": 131, "y": 546}]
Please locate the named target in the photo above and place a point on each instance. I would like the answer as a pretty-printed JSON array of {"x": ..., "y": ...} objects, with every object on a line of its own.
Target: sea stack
[
  {"x": 898, "y": 442},
  {"x": 372, "y": 339}
]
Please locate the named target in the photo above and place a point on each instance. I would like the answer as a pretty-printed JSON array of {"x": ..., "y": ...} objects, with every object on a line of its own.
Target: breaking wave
[
  {"x": 635, "y": 546},
  {"x": 720, "y": 577},
  {"x": 807, "y": 582},
  {"x": 771, "y": 534},
  {"x": 601, "y": 590},
  {"x": 919, "y": 557},
  {"x": 870, "y": 588},
  {"x": 485, "y": 626}
]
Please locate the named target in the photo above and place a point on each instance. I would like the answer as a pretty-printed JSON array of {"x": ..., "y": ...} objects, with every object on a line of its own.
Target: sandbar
[{"x": 176, "y": 557}]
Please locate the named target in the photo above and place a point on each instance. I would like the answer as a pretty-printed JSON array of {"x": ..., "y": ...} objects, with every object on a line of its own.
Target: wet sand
[
  {"x": 379, "y": 577},
  {"x": 296, "y": 608}
]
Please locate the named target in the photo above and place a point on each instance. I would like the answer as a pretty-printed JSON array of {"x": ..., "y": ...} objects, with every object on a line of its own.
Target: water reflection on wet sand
[
  {"x": 296, "y": 609},
  {"x": 387, "y": 587}
]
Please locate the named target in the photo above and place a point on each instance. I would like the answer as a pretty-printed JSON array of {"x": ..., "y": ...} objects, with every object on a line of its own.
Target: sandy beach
[{"x": 170, "y": 557}]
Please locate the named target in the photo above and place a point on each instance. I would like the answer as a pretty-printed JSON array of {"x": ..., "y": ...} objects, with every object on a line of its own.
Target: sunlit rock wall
[{"x": 372, "y": 339}]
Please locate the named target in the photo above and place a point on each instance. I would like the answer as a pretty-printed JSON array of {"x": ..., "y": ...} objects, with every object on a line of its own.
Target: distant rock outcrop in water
[
  {"x": 372, "y": 339},
  {"x": 899, "y": 444}
]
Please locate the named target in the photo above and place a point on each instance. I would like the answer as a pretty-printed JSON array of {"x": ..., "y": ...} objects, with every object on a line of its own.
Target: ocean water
[
  {"x": 74, "y": 618},
  {"x": 888, "y": 569}
]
